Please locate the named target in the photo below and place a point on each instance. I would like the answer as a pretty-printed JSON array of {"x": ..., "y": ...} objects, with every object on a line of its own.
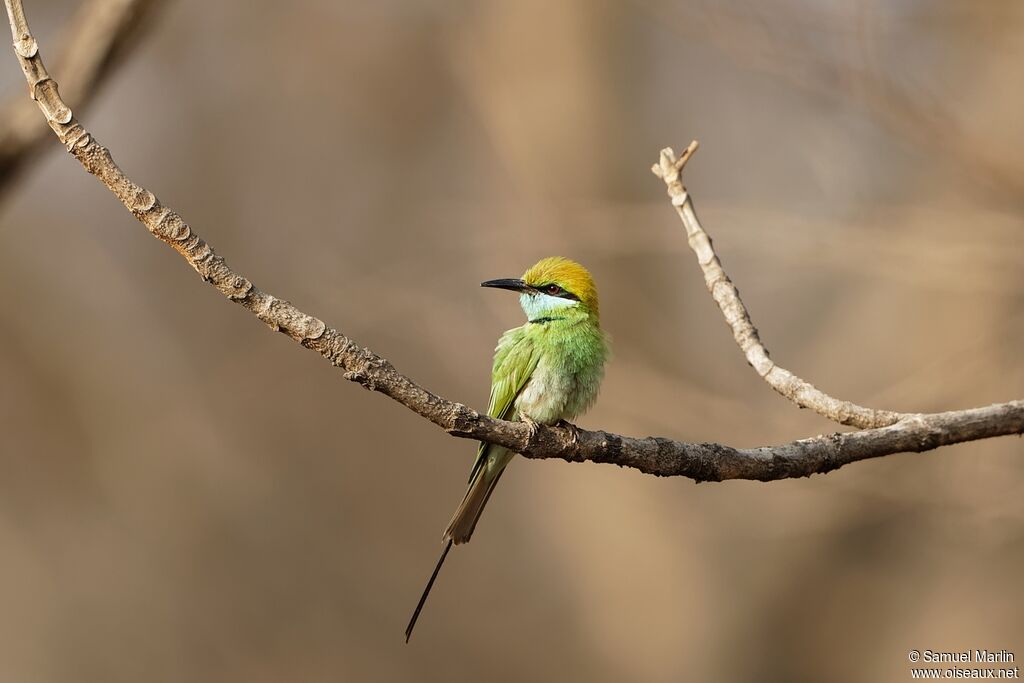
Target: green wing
[{"x": 515, "y": 359}]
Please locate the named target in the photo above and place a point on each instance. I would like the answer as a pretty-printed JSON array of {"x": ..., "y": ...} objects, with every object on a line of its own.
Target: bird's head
[{"x": 551, "y": 286}]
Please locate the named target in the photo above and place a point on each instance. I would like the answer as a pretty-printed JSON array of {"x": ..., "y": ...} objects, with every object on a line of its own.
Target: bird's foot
[
  {"x": 574, "y": 431},
  {"x": 531, "y": 424}
]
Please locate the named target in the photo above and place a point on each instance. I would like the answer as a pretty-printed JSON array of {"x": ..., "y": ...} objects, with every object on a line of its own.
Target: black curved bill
[{"x": 514, "y": 284}]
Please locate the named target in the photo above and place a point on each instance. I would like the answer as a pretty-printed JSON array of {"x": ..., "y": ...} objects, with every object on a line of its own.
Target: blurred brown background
[{"x": 186, "y": 496}]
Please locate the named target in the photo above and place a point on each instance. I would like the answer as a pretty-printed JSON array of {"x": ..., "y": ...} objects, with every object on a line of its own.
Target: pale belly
[{"x": 552, "y": 396}]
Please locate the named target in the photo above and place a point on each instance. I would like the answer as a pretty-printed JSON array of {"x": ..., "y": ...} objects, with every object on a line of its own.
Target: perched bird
[{"x": 547, "y": 371}]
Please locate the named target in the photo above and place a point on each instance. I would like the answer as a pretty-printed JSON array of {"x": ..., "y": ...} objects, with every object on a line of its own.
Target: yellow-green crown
[{"x": 567, "y": 274}]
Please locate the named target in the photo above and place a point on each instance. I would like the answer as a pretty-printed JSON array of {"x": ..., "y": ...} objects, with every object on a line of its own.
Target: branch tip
[{"x": 687, "y": 153}]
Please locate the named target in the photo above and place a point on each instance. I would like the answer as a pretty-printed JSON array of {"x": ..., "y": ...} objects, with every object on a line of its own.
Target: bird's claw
[
  {"x": 532, "y": 425},
  {"x": 574, "y": 431}
]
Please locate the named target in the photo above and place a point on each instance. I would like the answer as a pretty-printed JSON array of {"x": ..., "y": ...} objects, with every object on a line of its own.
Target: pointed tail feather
[
  {"x": 426, "y": 591},
  {"x": 486, "y": 474}
]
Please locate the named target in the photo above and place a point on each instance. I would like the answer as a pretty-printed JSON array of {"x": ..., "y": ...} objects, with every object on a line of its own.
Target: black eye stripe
[{"x": 551, "y": 289}]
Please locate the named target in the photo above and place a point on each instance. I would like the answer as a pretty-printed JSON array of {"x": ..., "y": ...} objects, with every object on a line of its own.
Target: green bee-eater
[{"x": 547, "y": 371}]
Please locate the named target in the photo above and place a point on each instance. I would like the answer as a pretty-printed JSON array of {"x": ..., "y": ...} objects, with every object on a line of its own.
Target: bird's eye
[{"x": 553, "y": 290}]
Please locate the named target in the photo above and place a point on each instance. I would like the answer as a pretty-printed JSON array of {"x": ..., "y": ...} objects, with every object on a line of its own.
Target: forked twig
[{"x": 892, "y": 432}]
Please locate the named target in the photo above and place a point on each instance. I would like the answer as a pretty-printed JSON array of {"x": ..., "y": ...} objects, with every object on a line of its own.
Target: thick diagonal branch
[
  {"x": 725, "y": 294},
  {"x": 652, "y": 455}
]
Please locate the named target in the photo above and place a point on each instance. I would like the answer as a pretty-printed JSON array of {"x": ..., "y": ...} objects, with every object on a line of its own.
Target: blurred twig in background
[
  {"x": 764, "y": 41},
  {"x": 891, "y": 432},
  {"x": 100, "y": 32}
]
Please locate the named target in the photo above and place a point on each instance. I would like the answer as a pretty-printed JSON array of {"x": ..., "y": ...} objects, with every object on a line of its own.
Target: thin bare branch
[
  {"x": 99, "y": 33},
  {"x": 652, "y": 455},
  {"x": 725, "y": 294}
]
